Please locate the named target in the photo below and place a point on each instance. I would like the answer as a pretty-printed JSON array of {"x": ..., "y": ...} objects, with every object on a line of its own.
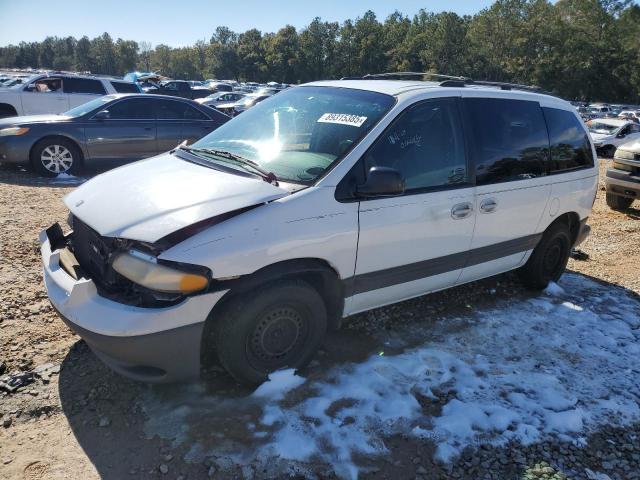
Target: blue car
[{"x": 107, "y": 131}]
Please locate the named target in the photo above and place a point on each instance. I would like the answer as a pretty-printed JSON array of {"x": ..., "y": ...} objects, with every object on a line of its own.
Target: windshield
[
  {"x": 299, "y": 133},
  {"x": 599, "y": 127},
  {"x": 85, "y": 108}
]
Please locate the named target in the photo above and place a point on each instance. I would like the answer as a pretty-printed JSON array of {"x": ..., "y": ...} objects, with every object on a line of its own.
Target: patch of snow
[
  {"x": 520, "y": 372},
  {"x": 278, "y": 384},
  {"x": 554, "y": 290},
  {"x": 67, "y": 179}
]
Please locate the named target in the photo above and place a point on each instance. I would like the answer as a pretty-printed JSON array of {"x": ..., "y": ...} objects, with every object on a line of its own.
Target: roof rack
[
  {"x": 450, "y": 81},
  {"x": 399, "y": 75}
]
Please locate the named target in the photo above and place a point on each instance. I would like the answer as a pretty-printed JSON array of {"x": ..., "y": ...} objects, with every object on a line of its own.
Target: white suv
[
  {"x": 57, "y": 93},
  {"x": 325, "y": 200}
]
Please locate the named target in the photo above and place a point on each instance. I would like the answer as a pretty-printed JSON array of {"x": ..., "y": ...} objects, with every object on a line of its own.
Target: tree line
[{"x": 580, "y": 49}]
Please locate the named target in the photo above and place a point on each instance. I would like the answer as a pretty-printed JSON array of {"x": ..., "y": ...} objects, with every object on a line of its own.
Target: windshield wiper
[{"x": 236, "y": 159}]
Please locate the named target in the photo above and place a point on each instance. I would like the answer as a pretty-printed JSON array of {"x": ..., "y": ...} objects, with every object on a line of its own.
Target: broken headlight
[{"x": 145, "y": 270}]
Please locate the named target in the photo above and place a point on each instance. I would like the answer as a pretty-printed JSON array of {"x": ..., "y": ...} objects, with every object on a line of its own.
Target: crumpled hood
[
  {"x": 11, "y": 121},
  {"x": 599, "y": 137},
  {"x": 152, "y": 198}
]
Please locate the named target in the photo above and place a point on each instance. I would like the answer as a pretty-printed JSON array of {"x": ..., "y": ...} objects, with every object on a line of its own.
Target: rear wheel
[
  {"x": 549, "y": 259},
  {"x": 616, "y": 202},
  {"x": 279, "y": 326},
  {"x": 53, "y": 156}
]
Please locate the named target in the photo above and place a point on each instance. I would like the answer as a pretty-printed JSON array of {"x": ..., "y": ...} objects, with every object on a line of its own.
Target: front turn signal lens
[
  {"x": 144, "y": 271},
  {"x": 13, "y": 131}
]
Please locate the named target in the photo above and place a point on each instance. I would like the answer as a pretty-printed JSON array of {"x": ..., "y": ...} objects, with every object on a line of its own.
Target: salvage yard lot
[{"x": 482, "y": 381}]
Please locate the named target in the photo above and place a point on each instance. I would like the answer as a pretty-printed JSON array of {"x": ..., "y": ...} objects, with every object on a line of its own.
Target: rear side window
[
  {"x": 83, "y": 85},
  {"x": 510, "y": 139},
  {"x": 570, "y": 146},
  {"x": 174, "y": 110},
  {"x": 131, "y": 109},
  {"x": 425, "y": 145},
  {"x": 125, "y": 87}
]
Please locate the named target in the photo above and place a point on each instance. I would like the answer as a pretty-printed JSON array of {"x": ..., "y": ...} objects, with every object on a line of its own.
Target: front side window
[
  {"x": 299, "y": 133},
  {"x": 425, "y": 144},
  {"x": 510, "y": 139},
  {"x": 47, "y": 85},
  {"x": 83, "y": 85},
  {"x": 132, "y": 109},
  {"x": 570, "y": 146}
]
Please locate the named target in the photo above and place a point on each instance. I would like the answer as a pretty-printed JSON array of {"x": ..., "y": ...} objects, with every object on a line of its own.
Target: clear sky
[{"x": 182, "y": 22}]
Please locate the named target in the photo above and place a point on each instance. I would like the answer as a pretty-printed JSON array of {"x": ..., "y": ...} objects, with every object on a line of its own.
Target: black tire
[
  {"x": 69, "y": 161},
  {"x": 278, "y": 326},
  {"x": 609, "y": 151},
  {"x": 549, "y": 259},
  {"x": 616, "y": 202}
]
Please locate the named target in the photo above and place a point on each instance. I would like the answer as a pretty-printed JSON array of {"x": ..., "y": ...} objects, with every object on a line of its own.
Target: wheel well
[
  {"x": 571, "y": 220},
  {"x": 7, "y": 108},
  {"x": 51, "y": 137},
  {"x": 316, "y": 272}
]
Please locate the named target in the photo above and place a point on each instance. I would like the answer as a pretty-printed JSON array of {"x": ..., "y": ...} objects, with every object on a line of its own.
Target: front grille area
[{"x": 95, "y": 254}]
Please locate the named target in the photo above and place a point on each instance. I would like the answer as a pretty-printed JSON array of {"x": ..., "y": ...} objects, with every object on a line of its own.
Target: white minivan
[{"x": 326, "y": 200}]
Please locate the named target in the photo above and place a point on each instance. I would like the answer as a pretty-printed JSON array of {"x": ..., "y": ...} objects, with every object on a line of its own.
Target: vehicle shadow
[
  {"x": 20, "y": 175},
  {"x": 128, "y": 428},
  {"x": 132, "y": 430}
]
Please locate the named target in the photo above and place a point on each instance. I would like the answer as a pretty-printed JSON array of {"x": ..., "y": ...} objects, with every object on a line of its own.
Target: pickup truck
[
  {"x": 57, "y": 93},
  {"x": 180, "y": 88}
]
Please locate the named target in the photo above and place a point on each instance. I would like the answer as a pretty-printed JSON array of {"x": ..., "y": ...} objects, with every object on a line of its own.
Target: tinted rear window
[
  {"x": 176, "y": 110},
  {"x": 570, "y": 146},
  {"x": 83, "y": 85},
  {"x": 510, "y": 139},
  {"x": 125, "y": 87},
  {"x": 132, "y": 109}
]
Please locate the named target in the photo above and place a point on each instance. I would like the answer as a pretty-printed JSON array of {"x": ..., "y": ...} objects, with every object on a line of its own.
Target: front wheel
[
  {"x": 53, "y": 156},
  {"x": 616, "y": 202},
  {"x": 279, "y": 326},
  {"x": 549, "y": 259}
]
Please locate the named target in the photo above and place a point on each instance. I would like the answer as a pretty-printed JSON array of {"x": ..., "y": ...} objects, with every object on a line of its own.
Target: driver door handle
[
  {"x": 488, "y": 205},
  {"x": 461, "y": 210}
]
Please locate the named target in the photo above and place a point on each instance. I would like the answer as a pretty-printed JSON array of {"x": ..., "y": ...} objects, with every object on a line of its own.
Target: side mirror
[
  {"x": 381, "y": 182},
  {"x": 102, "y": 115},
  {"x": 621, "y": 135}
]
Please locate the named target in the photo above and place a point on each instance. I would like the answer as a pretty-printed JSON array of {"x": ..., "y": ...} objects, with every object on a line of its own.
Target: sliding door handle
[
  {"x": 461, "y": 210},
  {"x": 488, "y": 205}
]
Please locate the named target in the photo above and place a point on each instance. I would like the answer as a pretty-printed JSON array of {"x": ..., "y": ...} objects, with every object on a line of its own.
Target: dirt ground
[{"x": 73, "y": 418}]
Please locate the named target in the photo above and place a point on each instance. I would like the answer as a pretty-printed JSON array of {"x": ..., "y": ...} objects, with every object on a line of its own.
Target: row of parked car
[{"x": 59, "y": 122}]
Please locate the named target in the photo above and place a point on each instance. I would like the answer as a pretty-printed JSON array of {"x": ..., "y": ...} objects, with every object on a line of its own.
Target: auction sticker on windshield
[{"x": 343, "y": 119}]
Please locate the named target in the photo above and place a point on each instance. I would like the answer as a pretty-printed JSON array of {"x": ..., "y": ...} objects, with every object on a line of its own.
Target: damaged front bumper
[{"x": 145, "y": 344}]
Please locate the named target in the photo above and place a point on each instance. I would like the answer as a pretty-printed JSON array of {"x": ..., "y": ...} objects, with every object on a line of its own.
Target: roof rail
[
  {"x": 398, "y": 75},
  {"x": 449, "y": 81}
]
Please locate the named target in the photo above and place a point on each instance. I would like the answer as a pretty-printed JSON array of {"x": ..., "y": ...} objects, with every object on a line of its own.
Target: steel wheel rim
[
  {"x": 277, "y": 337},
  {"x": 56, "y": 158}
]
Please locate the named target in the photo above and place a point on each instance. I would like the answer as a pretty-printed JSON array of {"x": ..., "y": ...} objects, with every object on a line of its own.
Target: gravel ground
[{"x": 73, "y": 418}]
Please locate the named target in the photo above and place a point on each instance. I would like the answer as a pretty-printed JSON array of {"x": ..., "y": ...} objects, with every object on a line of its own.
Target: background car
[
  {"x": 220, "y": 98},
  {"x": 609, "y": 133},
  {"x": 180, "y": 88},
  {"x": 109, "y": 130},
  {"x": 622, "y": 180},
  {"x": 56, "y": 93},
  {"x": 233, "y": 109}
]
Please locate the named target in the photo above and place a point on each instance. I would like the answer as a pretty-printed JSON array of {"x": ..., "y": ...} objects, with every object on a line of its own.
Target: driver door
[{"x": 418, "y": 242}]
